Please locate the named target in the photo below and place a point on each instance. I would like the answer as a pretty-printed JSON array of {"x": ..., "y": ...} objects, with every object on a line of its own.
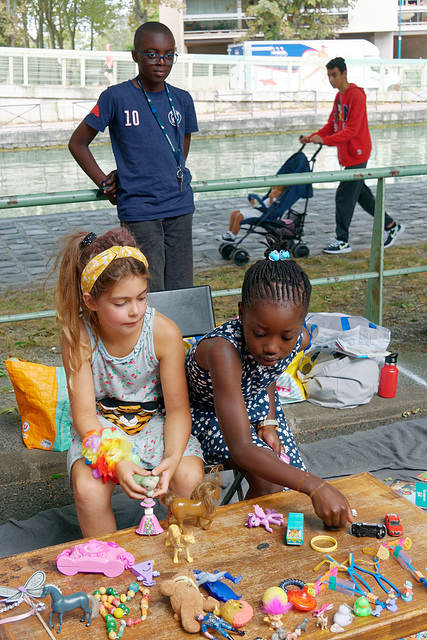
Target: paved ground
[{"x": 27, "y": 242}]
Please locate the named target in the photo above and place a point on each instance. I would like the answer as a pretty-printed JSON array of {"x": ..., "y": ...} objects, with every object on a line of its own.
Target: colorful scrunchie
[
  {"x": 100, "y": 262},
  {"x": 102, "y": 451}
]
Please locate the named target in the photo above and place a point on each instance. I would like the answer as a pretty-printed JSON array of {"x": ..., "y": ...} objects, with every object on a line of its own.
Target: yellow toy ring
[{"x": 323, "y": 539}]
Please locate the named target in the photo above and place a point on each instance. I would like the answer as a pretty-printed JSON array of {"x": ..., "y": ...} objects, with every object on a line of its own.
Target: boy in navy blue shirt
[{"x": 150, "y": 124}]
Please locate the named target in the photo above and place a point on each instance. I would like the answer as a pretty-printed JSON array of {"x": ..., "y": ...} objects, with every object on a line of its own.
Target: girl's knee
[
  {"x": 188, "y": 475},
  {"x": 88, "y": 490}
]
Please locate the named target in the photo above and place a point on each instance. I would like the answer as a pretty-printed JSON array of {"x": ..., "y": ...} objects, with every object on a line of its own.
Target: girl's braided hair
[{"x": 276, "y": 281}]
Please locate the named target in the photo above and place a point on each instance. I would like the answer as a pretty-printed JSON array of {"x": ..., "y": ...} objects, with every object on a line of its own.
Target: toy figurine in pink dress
[{"x": 149, "y": 525}]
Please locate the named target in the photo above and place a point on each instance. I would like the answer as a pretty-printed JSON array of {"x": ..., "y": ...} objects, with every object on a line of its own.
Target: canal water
[{"x": 47, "y": 170}]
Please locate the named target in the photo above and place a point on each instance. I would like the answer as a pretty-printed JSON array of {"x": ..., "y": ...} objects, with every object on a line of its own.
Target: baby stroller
[{"x": 279, "y": 217}]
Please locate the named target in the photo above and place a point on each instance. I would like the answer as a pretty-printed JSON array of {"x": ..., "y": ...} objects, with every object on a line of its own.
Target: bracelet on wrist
[
  {"x": 306, "y": 474},
  {"x": 319, "y": 486},
  {"x": 267, "y": 423},
  {"x": 104, "y": 450}
]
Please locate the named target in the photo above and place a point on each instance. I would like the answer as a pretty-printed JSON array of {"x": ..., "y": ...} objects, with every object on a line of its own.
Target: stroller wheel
[
  {"x": 300, "y": 250},
  {"x": 240, "y": 257},
  {"x": 226, "y": 249}
]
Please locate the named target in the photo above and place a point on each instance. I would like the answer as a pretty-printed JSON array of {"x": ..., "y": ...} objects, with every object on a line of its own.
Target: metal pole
[{"x": 399, "y": 37}]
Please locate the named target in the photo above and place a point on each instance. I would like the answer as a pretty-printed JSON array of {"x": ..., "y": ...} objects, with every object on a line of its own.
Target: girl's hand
[
  {"x": 331, "y": 506},
  {"x": 165, "y": 470},
  {"x": 124, "y": 472},
  {"x": 270, "y": 437}
]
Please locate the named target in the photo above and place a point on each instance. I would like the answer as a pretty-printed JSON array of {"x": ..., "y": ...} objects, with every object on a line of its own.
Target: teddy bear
[{"x": 187, "y": 601}]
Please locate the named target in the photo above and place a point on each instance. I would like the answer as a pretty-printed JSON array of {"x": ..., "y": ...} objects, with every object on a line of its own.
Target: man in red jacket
[{"x": 347, "y": 129}]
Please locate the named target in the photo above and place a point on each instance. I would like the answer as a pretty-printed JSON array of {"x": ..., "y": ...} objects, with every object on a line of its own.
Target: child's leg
[
  {"x": 236, "y": 218},
  {"x": 93, "y": 501},
  {"x": 189, "y": 474}
]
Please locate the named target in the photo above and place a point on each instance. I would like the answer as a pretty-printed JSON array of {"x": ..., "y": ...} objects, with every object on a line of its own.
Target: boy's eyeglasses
[{"x": 154, "y": 58}]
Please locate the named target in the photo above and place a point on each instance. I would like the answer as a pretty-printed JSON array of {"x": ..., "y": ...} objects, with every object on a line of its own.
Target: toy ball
[
  {"x": 274, "y": 593},
  {"x": 237, "y": 613}
]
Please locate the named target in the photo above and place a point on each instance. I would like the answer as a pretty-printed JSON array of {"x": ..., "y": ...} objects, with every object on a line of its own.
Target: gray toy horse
[{"x": 62, "y": 604}]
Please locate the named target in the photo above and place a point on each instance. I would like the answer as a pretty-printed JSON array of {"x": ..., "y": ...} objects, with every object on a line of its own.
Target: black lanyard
[{"x": 176, "y": 152}]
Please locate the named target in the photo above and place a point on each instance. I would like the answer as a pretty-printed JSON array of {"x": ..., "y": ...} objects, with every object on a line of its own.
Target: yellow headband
[{"x": 99, "y": 263}]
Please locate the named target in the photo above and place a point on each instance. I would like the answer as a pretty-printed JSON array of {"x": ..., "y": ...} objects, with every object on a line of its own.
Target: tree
[{"x": 294, "y": 19}]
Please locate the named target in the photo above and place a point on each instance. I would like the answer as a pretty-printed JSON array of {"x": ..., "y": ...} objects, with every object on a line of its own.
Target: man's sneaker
[
  {"x": 337, "y": 246},
  {"x": 228, "y": 236},
  {"x": 391, "y": 235}
]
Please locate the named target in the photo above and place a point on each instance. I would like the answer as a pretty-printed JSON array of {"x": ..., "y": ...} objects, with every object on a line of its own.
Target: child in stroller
[
  {"x": 237, "y": 217},
  {"x": 273, "y": 213}
]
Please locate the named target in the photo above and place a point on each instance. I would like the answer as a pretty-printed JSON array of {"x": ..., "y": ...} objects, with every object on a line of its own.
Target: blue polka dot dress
[{"x": 255, "y": 380}]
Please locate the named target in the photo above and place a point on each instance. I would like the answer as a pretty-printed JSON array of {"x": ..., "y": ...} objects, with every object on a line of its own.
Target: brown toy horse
[{"x": 201, "y": 505}]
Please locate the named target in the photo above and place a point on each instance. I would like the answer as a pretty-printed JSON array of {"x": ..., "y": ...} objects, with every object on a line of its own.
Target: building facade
[{"x": 394, "y": 26}]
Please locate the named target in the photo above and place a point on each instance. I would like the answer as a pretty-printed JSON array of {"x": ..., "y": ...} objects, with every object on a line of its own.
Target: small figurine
[
  {"x": 180, "y": 542},
  {"x": 344, "y": 616},
  {"x": 303, "y": 625},
  {"x": 379, "y": 608},
  {"x": 149, "y": 525},
  {"x": 390, "y": 603},
  {"x": 407, "y": 591},
  {"x": 322, "y": 622},
  {"x": 237, "y": 612},
  {"x": 144, "y": 573},
  {"x": 148, "y": 482},
  {"x": 201, "y": 505},
  {"x": 217, "y": 589},
  {"x": 293, "y": 635},
  {"x": 220, "y": 625},
  {"x": 279, "y": 634},
  {"x": 62, "y": 604},
  {"x": 361, "y": 607},
  {"x": 275, "y": 604},
  {"x": 261, "y": 518}
]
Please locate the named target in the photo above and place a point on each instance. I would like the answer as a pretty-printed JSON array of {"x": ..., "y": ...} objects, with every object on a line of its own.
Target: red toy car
[{"x": 392, "y": 522}]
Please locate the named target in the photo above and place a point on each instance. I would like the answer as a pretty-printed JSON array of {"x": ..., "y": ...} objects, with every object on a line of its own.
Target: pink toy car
[{"x": 95, "y": 556}]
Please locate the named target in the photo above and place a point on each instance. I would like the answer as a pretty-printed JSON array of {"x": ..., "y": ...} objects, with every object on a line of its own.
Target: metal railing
[
  {"x": 18, "y": 114},
  {"x": 70, "y": 68},
  {"x": 375, "y": 276},
  {"x": 297, "y": 97},
  {"x": 237, "y": 104}
]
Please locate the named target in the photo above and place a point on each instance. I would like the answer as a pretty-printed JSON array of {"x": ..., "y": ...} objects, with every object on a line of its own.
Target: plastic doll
[
  {"x": 149, "y": 525},
  {"x": 220, "y": 625},
  {"x": 390, "y": 603},
  {"x": 275, "y": 603},
  {"x": 407, "y": 591}
]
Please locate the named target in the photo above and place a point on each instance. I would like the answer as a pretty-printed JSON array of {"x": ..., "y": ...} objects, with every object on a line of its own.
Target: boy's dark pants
[
  {"x": 168, "y": 246},
  {"x": 346, "y": 197}
]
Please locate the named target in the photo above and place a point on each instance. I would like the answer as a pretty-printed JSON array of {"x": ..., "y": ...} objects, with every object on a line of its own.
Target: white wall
[
  {"x": 172, "y": 18},
  {"x": 372, "y": 16}
]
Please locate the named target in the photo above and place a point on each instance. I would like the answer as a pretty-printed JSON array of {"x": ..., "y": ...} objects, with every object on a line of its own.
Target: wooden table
[{"x": 232, "y": 546}]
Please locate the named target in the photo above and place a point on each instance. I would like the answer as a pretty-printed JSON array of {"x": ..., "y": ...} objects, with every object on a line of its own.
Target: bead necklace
[{"x": 113, "y": 607}]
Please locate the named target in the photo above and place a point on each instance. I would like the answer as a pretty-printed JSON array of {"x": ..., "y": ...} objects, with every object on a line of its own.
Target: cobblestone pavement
[{"x": 26, "y": 243}]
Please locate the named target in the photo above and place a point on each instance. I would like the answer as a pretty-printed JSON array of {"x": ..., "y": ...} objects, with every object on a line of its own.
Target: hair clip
[
  {"x": 275, "y": 256},
  {"x": 87, "y": 240}
]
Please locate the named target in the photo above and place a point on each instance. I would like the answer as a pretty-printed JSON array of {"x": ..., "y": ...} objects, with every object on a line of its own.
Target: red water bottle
[{"x": 388, "y": 377}]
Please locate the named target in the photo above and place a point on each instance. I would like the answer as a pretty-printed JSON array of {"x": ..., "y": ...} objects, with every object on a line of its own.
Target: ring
[{"x": 325, "y": 539}]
